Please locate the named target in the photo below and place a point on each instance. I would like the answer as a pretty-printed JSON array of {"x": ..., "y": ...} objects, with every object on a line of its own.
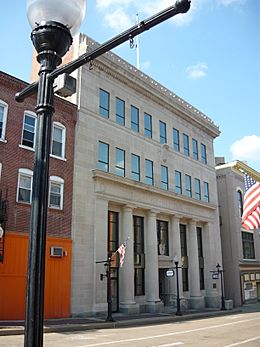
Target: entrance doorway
[{"x": 165, "y": 293}]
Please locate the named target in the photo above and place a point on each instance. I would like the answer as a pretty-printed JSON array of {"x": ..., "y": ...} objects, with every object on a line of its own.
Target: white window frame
[
  {"x": 33, "y": 115},
  {"x": 60, "y": 181},
  {"x": 5, "y": 106},
  {"x": 63, "y": 128},
  {"x": 28, "y": 173}
]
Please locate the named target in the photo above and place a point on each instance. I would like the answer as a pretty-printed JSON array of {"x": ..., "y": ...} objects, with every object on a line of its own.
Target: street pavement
[
  {"x": 194, "y": 329},
  {"x": 120, "y": 320}
]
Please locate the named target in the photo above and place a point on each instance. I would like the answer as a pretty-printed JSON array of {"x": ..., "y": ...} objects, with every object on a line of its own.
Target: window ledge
[
  {"x": 28, "y": 148},
  {"x": 56, "y": 208},
  {"x": 56, "y": 157}
]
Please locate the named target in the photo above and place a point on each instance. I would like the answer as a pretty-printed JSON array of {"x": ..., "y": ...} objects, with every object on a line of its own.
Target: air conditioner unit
[{"x": 56, "y": 252}]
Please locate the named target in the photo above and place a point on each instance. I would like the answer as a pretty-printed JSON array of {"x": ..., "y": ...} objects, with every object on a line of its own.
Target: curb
[{"x": 19, "y": 330}]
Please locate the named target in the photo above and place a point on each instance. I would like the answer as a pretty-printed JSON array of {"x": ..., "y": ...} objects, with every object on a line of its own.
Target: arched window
[
  {"x": 56, "y": 192},
  {"x": 3, "y": 119},
  {"x": 29, "y": 129},
  {"x": 24, "y": 186},
  {"x": 240, "y": 202},
  {"x": 58, "y": 140}
]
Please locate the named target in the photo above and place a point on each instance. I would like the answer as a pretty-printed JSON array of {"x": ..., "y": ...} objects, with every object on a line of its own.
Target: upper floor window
[
  {"x": 56, "y": 192},
  {"x": 135, "y": 167},
  {"x": 186, "y": 145},
  {"x": 163, "y": 137},
  {"x": 103, "y": 156},
  {"x": 134, "y": 118},
  {"x": 24, "y": 187},
  {"x": 120, "y": 162},
  {"x": 197, "y": 189},
  {"x": 206, "y": 191},
  {"x": 148, "y": 125},
  {"x": 164, "y": 177},
  {"x": 29, "y": 130},
  {"x": 195, "y": 149},
  {"x": 148, "y": 172},
  {"x": 58, "y": 140},
  {"x": 162, "y": 236},
  {"x": 3, "y": 118},
  {"x": 203, "y": 153},
  {"x": 176, "y": 139},
  {"x": 188, "y": 185},
  {"x": 240, "y": 202},
  {"x": 104, "y": 103},
  {"x": 120, "y": 111},
  {"x": 178, "y": 183},
  {"x": 248, "y": 245}
]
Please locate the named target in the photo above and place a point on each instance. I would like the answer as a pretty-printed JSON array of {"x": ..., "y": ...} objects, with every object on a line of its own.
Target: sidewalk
[{"x": 121, "y": 320}]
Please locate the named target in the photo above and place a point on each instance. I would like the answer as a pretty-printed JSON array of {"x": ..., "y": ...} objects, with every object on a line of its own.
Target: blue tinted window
[{"x": 103, "y": 103}]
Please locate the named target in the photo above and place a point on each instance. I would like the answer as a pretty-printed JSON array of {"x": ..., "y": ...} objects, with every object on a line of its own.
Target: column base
[
  {"x": 212, "y": 301},
  {"x": 129, "y": 308},
  {"x": 197, "y": 302},
  {"x": 154, "y": 307}
]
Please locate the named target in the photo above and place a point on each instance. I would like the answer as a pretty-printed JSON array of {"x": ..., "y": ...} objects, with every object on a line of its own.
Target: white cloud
[
  {"x": 145, "y": 65},
  {"x": 118, "y": 20},
  {"x": 128, "y": 8},
  {"x": 197, "y": 71},
  {"x": 229, "y": 2},
  {"x": 247, "y": 148}
]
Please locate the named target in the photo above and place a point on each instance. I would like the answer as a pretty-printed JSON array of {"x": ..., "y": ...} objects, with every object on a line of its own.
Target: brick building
[{"x": 18, "y": 125}]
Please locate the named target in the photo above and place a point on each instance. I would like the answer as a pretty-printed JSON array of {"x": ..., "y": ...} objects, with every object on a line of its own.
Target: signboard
[
  {"x": 170, "y": 273},
  {"x": 215, "y": 275}
]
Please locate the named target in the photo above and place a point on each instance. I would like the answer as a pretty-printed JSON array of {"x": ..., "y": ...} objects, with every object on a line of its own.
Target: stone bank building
[{"x": 144, "y": 170}]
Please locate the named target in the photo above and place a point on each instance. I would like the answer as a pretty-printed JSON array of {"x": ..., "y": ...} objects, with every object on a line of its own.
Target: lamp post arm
[{"x": 181, "y": 6}]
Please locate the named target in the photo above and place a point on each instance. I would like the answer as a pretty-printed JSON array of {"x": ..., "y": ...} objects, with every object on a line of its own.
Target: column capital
[
  {"x": 152, "y": 212},
  {"x": 128, "y": 208}
]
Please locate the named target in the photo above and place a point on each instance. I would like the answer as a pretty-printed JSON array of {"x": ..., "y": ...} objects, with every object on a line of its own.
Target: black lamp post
[
  {"x": 220, "y": 272},
  {"x": 53, "y": 23},
  {"x": 176, "y": 262}
]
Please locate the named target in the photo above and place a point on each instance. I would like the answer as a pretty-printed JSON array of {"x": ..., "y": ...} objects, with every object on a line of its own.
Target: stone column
[
  {"x": 153, "y": 303},
  {"x": 212, "y": 296},
  {"x": 176, "y": 251},
  {"x": 126, "y": 273},
  {"x": 196, "y": 300},
  {"x": 100, "y": 254}
]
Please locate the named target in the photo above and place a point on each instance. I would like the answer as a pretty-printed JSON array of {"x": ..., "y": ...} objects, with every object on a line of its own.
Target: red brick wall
[{"x": 14, "y": 157}]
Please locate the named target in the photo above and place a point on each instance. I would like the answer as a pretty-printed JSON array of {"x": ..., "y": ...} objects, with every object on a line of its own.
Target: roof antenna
[{"x": 137, "y": 46}]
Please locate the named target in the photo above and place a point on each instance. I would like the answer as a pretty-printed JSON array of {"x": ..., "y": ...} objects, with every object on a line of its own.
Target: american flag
[
  {"x": 251, "y": 206},
  {"x": 121, "y": 251}
]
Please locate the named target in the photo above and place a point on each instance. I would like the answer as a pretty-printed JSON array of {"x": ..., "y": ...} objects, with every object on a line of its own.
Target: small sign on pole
[{"x": 215, "y": 275}]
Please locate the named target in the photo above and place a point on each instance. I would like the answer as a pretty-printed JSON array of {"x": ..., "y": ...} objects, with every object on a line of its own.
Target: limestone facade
[{"x": 112, "y": 194}]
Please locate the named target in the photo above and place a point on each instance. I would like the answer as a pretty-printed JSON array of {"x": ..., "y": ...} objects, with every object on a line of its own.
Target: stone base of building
[
  {"x": 129, "y": 308},
  {"x": 154, "y": 307},
  {"x": 212, "y": 301},
  {"x": 197, "y": 302}
]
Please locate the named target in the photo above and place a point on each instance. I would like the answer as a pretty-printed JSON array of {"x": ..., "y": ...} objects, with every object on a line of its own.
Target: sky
[{"x": 209, "y": 57}]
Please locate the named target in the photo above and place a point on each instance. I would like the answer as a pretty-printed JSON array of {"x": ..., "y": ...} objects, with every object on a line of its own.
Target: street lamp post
[
  {"x": 53, "y": 23},
  {"x": 176, "y": 262},
  {"x": 220, "y": 271}
]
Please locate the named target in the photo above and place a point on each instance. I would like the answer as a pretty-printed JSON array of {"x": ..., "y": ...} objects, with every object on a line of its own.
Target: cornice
[{"x": 101, "y": 176}]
